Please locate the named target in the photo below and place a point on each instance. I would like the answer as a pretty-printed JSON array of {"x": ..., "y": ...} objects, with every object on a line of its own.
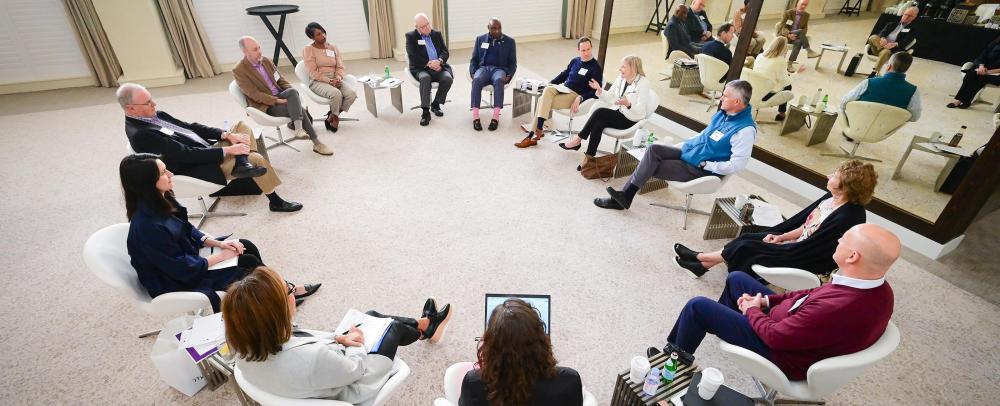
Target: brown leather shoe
[
  {"x": 526, "y": 142},
  {"x": 539, "y": 134}
]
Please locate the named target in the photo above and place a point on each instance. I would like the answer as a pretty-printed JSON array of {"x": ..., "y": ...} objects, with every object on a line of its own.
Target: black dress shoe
[
  {"x": 607, "y": 203},
  {"x": 873, "y": 74},
  {"x": 285, "y": 206},
  {"x": 576, "y": 148},
  {"x": 248, "y": 171},
  {"x": 493, "y": 125},
  {"x": 652, "y": 352},
  {"x": 476, "y": 125},
  {"x": 685, "y": 357},
  {"x": 693, "y": 268},
  {"x": 436, "y": 109},
  {"x": 430, "y": 307},
  {"x": 438, "y": 321},
  {"x": 620, "y": 197},
  {"x": 425, "y": 118},
  {"x": 685, "y": 252},
  {"x": 310, "y": 289}
]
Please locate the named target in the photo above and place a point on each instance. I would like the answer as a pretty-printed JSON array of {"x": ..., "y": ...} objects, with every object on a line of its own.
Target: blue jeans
[
  {"x": 702, "y": 315},
  {"x": 488, "y": 75}
]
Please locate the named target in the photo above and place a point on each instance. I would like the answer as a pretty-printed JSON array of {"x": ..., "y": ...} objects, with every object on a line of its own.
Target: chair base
[
  {"x": 852, "y": 155},
  {"x": 770, "y": 397},
  {"x": 418, "y": 106},
  {"x": 149, "y": 333},
  {"x": 712, "y": 102},
  {"x": 208, "y": 211},
  {"x": 666, "y": 76},
  {"x": 280, "y": 141},
  {"x": 686, "y": 208}
]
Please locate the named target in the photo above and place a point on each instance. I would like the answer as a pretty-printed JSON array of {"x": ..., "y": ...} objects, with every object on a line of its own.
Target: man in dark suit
[
  {"x": 494, "y": 61},
  {"x": 718, "y": 47},
  {"x": 428, "y": 56},
  {"x": 699, "y": 28},
  {"x": 196, "y": 150},
  {"x": 894, "y": 37}
]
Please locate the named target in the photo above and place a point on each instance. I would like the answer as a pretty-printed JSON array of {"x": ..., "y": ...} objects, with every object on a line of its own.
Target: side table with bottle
[
  {"x": 627, "y": 164},
  {"x": 659, "y": 390},
  {"x": 935, "y": 145},
  {"x": 802, "y": 114},
  {"x": 374, "y": 82}
]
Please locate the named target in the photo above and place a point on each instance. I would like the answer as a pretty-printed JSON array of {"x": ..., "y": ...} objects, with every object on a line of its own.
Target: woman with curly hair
[
  {"x": 805, "y": 241},
  {"x": 515, "y": 364}
]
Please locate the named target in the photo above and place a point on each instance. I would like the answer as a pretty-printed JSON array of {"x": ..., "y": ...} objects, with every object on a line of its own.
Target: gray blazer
[{"x": 318, "y": 367}]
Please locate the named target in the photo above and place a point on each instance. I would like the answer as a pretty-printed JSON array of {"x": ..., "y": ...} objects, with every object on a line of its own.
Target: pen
[{"x": 348, "y": 331}]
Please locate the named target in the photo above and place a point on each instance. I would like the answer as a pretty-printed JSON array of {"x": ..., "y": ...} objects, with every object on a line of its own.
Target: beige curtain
[
  {"x": 187, "y": 38},
  {"x": 94, "y": 41},
  {"x": 580, "y": 18},
  {"x": 440, "y": 19},
  {"x": 380, "y": 28}
]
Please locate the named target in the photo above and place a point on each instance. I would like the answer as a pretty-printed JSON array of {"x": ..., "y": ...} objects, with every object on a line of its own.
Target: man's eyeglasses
[
  {"x": 148, "y": 103},
  {"x": 291, "y": 288}
]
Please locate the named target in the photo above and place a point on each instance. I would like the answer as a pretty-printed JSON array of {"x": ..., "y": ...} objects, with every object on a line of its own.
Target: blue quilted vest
[{"x": 704, "y": 148}]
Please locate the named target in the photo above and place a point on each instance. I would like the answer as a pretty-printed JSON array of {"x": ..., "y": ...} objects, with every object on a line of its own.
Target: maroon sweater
[{"x": 834, "y": 320}]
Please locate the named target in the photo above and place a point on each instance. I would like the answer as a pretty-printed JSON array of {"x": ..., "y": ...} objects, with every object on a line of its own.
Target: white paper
[
  {"x": 206, "y": 252},
  {"x": 562, "y": 88},
  {"x": 205, "y": 330},
  {"x": 765, "y": 214},
  {"x": 637, "y": 153},
  {"x": 372, "y": 327}
]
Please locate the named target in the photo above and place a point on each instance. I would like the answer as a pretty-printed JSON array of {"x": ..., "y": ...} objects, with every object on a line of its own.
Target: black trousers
[
  {"x": 443, "y": 78},
  {"x": 220, "y": 279},
  {"x": 601, "y": 119},
  {"x": 402, "y": 332},
  {"x": 972, "y": 83},
  {"x": 784, "y": 106}
]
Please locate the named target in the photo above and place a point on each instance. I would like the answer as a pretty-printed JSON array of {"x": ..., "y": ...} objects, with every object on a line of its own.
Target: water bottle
[
  {"x": 815, "y": 98},
  {"x": 652, "y": 382},
  {"x": 670, "y": 368},
  {"x": 955, "y": 139},
  {"x": 650, "y": 139},
  {"x": 387, "y": 76},
  {"x": 802, "y": 101},
  {"x": 822, "y": 105}
]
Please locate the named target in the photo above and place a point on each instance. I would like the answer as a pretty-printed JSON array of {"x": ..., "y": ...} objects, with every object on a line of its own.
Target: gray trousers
[
  {"x": 293, "y": 110},
  {"x": 664, "y": 162},
  {"x": 800, "y": 42},
  {"x": 426, "y": 78}
]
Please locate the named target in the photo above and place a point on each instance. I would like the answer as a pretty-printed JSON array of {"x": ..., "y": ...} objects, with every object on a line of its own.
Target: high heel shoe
[{"x": 563, "y": 146}]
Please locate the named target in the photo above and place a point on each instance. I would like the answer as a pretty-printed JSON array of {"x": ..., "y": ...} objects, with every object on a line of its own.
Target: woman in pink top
[{"x": 326, "y": 68}]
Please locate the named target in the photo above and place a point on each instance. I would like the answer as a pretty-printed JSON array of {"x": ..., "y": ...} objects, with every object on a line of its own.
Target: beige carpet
[{"x": 402, "y": 212}]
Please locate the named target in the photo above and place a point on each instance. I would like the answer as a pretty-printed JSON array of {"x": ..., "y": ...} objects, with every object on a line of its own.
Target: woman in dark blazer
[
  {"x": 805, "y": 241},
  {"x": 516, "y": 366},
  {"x": 985, "y": 70},
  {"x": 164, "y": 245}
]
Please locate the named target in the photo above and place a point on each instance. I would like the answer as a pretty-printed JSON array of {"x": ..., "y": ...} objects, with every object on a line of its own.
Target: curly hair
[
  {"x": 858, "y": 181},
  {"x": 515, "y": 354}
]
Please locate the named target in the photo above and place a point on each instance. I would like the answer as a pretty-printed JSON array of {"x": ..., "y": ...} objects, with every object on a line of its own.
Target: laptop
[{"x": 541, "y": 303}]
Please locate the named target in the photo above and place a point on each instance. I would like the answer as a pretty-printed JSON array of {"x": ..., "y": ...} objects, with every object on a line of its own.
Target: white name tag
[
  {"x": 717, "y": 135},
  {"x": 582, "y": 71},
  {"x": 702, "y": 17},
  {"x": 331, "y": 53},
  {"x": 485, "y": 45},
  {"x": 166, "y": 131},
  {"x": 421, "y": 42},
  {"x": 798, "y": 303},
  {"x": 789, "y": 22},
  {"x": 904, "y": 30},
  {"x": 276, "y": 76}
]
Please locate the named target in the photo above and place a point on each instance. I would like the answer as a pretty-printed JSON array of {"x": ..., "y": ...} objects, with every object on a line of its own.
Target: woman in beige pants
[{"x": 326, "y": 68}]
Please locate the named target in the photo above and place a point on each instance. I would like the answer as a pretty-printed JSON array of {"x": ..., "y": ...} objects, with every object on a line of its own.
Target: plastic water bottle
[
  {"x": 815, "y": 98},
  {"x": 652, "y": 382},
  {"x": 387, "y": 76},
  {"x": 650, "y": 139},
  {"x": 670, "y": 368},
  {"x": 822, "y": 105}
]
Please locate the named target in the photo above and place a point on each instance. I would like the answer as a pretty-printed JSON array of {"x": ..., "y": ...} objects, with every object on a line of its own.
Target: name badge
[
  {"x": 582, "y": 71},
  {"x": 904, "y": 30},
  {"x": 421, "y": 42},
  {"x": 331, "y": 53},
  {"x": 276, "y": 76},
  {"x": 166, "y": 131},
  {"x": 798, "y": 303},
  {"x": 788, "y": 22},
  {"x": 717, "y": 135},
  {"x": 702, "y": 17},
  {"x": 485, "y": 45}
]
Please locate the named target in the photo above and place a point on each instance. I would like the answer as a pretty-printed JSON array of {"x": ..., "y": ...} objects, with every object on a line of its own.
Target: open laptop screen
[{"x": 541, "y": 303}]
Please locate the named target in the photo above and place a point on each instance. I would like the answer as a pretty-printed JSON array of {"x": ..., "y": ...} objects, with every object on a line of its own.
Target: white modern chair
[
  {"x": 705, "y": 185},
  {"x": 874, "y": 58},
  {"x": 303, "y": 75},
  {"x": 262, "y": 118},
  {"x": 454, "y": 375},
  {"x": 106, "y": 255},
  {"x": 393, "y": 385},
  {"x": 762, "y": 85},
  {"x": 628, "y": 133},
  {"x": 979, "y": 95},
  {"x": 670, "y": 58},
  {"x": 585, "y": 108},
  {"x": 488, "y": 89},
  {"x": 822, "y": 378},
  {"x": 416, "y": 83},
  {"x": 710, "y": 71},
  {"x": 789, "y": 279},
  {"x": 869, "y": 122}
]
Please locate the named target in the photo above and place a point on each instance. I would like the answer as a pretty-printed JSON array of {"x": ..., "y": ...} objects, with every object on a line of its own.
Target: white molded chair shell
[
  {"x": 455, "y": 374},
  {"x": 868, "y": 48},
  {"x": 395, "y": 382},
  {"x": 256, "y": 115},
  {"x": 618, "y": 135},
  {"x": 823, "y": 377},
  {"x": 303, "y": 74},
  {"x": 586, "y": 107},
  {"x": 790, "y": 279},
  {"x": 873, "y": 122},
  {"x": 704, "y": 185},
  {"x": 106, "y": 255},
  {"x": 711, "y": 70},
  {"x": 186, "y": 187}
]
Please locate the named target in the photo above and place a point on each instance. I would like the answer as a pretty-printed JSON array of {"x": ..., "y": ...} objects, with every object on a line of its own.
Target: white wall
[
  {"x": 38, "y": 42},
  {"x": 467, "y": 19},
  {"x": 225, "y": 21}
]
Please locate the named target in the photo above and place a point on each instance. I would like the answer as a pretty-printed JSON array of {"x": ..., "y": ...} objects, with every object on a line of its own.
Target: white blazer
[
  {"x": 318, "y": 367},
  {"x": 637, "y": 93},
  {"x": 775, "y": 69}
]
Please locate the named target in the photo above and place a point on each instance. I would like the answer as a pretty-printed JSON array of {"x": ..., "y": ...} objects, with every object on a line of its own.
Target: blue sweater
[
  {"x": 577, "y": 82},
  {"x": 705, "y": 148},
  {"x": 501, "y": 53}
]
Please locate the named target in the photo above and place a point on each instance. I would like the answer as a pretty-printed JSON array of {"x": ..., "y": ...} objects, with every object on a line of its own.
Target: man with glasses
[
  {"x": 199, "y": 151},
  {"x": 428, "y": 57}
]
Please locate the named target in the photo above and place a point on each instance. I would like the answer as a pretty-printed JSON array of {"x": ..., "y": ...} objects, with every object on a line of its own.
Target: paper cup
[
  {"x": 711, "y": 379},
  {"x": 639, "y": 369},
  {"x": 740, "y": 201}
]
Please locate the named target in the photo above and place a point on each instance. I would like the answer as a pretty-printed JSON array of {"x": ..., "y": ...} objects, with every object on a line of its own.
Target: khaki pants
[
  {"x": 341, "y": 98},
  {"x": 883, "y": 54},
  {"x": 266, "y": 182},
  {"x": 552, "y": 99}
]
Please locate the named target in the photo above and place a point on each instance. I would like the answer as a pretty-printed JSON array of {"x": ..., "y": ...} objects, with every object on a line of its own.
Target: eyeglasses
[
  {"x": 148, "y": 103},
  {"x": 291, "y": 288}
]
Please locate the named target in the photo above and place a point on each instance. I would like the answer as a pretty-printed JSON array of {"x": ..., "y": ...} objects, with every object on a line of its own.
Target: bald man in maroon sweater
[{"x": 796, "y": 329}]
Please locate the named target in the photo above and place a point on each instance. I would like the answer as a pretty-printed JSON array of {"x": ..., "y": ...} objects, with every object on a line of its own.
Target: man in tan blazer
[
  {"x": 267, "y": 91},
  {"x": 794, "y": 26}
]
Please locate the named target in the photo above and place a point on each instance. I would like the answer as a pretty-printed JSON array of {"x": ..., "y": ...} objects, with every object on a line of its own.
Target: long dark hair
[
  {"x": 515, "y": 354},
  {"x": 139, "y": 174}
]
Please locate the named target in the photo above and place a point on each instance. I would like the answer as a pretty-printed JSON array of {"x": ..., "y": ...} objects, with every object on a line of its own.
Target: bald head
[
  {"x": 422, "y": 24},
  {"x": 866, "y": 251},
  {"x": 250, "y": 48}
]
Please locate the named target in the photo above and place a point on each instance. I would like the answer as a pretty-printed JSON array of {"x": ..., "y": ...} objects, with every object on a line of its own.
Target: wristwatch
[{"x": 701, "y": 165}]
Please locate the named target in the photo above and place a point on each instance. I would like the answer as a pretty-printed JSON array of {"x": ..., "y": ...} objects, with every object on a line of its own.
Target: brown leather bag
[{"x": 602, "y": 167}]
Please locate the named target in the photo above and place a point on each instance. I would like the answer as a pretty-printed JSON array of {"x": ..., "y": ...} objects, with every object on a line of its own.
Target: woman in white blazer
[
  {"x": 258, "y": 313},
  {"x": 773, "y": 65},
  {"x": 626, "y": 102}
]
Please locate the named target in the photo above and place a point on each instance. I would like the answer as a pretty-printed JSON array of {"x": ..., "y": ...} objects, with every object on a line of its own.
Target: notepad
[
  {"x": 562, "y": 88},
  {"x": 207, "y": 252},
  {"x": 374, "y": 328}
]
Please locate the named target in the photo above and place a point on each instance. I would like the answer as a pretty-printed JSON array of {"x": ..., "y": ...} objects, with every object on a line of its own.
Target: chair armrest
[
  {"x": 699, "y": 186},
  {"x": 303, "y": 89},
  {"x": 265, "y": 119},
  {"x": 178, "y": 303},
  {"x": 757, "y": 366},
  {"x": 787, "y": 278}
]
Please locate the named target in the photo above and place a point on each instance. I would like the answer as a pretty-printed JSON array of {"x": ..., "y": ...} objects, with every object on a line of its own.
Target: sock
[
  {"x": 540, "y": 124},
  {"x": 274, "y": 198},
  {"x": 241, "y": 160},
  {"x": 475, "y": 113},
  {"x": 630, "y": 190},
  {"x": 496, "y": 113}
]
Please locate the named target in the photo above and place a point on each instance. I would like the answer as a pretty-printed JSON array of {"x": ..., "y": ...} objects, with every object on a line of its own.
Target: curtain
[
  {"x": 187, "y": 38},
  {"x": 94, "y": 41},
  {"x": 580, "y": 18},
  {"x": 380, "y": 28},
  {"x": 439, "y": 18}
]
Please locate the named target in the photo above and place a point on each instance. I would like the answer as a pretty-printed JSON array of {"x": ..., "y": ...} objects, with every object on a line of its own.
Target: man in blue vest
[
  {"x": 494, "y": 60},
  {"x": 723, "y": 148},
  {"x": 891, "y": 88}
]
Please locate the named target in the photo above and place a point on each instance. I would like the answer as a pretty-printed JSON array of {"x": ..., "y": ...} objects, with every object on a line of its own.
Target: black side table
[{"x": 276, "y": 9}]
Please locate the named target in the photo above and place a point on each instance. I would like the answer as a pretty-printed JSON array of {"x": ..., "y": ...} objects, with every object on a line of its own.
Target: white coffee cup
[
  {"x": 711, "y": 379},
  {"x": 639, "y": 369},
  {"x": 740, "y": 201}
]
